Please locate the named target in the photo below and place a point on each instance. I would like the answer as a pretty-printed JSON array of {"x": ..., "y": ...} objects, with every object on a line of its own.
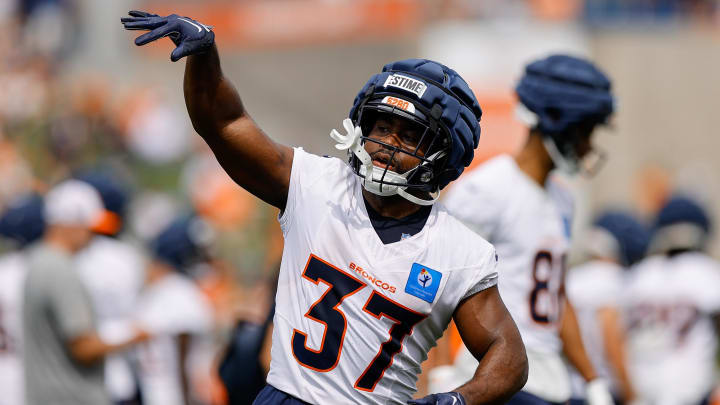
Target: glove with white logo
[
  {"x": 597, "y": 393},
  {"x": 190, "y": 37},
  {"x": 444, "y": 398}
]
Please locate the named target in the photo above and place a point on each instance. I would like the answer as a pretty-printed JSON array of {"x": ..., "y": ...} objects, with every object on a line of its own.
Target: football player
[
  {"x": 372, "y": 271},
  {"x": 21, "y": 224},
  {"x": 673, "y": 307},
  {"x": 615, "y": 242},
  {"x": 62, "y": 350},
  {"x": 513, "y": 203},
  {"x": 177, "y": 313},
  {"x": 112, "y": 270}
]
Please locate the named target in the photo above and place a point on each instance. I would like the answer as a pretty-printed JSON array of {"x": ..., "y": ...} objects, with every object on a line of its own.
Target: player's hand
[
  {"x": 190, "y": 37},
  {"x": 444, "y": 398},
  {"x": 141, "y": 335},
  {"x": 598, "y": 393}
]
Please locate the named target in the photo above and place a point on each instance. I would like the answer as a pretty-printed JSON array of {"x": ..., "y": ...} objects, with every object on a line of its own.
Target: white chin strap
[
  {"x": 565, "y": 165},
  {"x": 562, "y": 163},
  {"x": 352, "y": 141}
]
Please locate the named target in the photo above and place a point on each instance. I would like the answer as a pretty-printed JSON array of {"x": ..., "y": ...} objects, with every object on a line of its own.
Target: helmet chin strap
[
  {"x": 373, "y": 175},
  {"x": 564, "y": 164},
  {"x": 529, "y": 118}
]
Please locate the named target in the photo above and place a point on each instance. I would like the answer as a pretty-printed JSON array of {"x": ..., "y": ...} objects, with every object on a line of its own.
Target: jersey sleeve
[
  {"x": 607, "y": 290},
  {"x": 710, "y": 299},
  {"x": 485, "y": 276},
  {"x": 595, "y": 287},
  {"x": 462, "y": 201},
  {"x": 70, "y": 304},
  {"x": 307, "y": 170},
  {"x": 181, "y": 309}
]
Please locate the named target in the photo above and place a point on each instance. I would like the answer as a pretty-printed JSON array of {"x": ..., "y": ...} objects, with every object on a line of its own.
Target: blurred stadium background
[{"x": 76, "y": 93}]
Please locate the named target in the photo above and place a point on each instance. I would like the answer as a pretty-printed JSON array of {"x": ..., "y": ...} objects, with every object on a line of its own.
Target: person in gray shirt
[{"x": 63, "y": 352}]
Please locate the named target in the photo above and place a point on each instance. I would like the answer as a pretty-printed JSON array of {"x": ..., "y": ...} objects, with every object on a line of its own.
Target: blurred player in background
[
  {"x": 63, "y": 352},
  {"x": 673, "y": 307},
  {"x": 615, "y": 242},
  {"x": 176, "y": 312},
  {"x": 20, "y": 225},
  {"x": 514, "y": 204},
  {"x": 112, "y": 270},
  {"x": 246, "y": 360},
  {"x": 372, "y": 272}
]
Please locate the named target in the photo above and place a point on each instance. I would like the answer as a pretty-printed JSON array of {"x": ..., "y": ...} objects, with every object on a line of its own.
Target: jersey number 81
[{"x": 546, "y": 296}]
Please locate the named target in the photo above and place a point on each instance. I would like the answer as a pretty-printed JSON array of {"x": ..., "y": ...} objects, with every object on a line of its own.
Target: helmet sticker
[
  {"x": 406, "y": 83},
  {"x": 399, "y": 103}
]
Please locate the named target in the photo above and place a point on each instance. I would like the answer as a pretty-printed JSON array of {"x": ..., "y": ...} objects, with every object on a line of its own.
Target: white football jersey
[
  {"x": 113, "y": 272},
  {"x": 355, "y": 317},
  {"x": 168, "y": 308},
  {"x": 670, "y": 302},
  {"x": 591, "y": 287},
  {"x": 529, "y": 226},
  {"x": 12, "y": 276}
]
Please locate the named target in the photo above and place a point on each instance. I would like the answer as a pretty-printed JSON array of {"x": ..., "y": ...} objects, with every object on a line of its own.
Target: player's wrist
[
  {"x": 443, "y": 398},
  {"x": 597, "y": 392}
]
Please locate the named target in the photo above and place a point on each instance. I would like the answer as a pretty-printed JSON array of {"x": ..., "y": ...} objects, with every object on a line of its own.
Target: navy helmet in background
[
  {"x": 23, "y": 220},
  {"x": 183, "y": 243},
  {"x": 681, "y": 224},
  {"x": 630, "y": 236},
  {"x": 564, "y": 98}
]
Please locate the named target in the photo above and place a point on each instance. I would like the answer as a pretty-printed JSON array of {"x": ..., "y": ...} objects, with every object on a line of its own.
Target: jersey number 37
[{"x": 326, "y": 311}]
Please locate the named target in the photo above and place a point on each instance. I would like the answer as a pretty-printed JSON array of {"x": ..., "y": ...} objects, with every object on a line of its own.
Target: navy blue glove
[
  {"x": 444, "y": 398},
  {"x": 190, "y": 37}
]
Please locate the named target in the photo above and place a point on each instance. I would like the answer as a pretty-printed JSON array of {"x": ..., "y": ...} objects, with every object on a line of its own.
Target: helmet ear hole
[
  {"x": 426, "y": 177},
  {"x": 553, "y": 113}
]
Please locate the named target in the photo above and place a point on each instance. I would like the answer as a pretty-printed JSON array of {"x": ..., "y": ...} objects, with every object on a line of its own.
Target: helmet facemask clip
[{"x": 382, "y": 181}]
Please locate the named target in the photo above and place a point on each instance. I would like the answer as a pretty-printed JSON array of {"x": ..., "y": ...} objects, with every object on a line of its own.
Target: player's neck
[
  {"x": 390, "y": 206},
  {"x": 60, "y": 238},
  {"x": 156, "y": 271},
  {"x": 534, "y": 160}
]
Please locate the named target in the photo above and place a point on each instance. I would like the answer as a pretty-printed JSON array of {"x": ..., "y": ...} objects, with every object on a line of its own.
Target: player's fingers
[
  {"x": 143, "y": 24},
  {"x": 138, "y": 13},
  {"x": 154, "y": 34},
  {"x": 179, "y": 53}
]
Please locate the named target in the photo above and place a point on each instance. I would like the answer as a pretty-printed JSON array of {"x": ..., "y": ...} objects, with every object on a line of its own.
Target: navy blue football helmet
[
  {"x": 183, "y": 243},
  {"x": 564, "y": 98},
  {"x": 430, "y": 95},
  {"x": 23, "y": 221},
  {"x": 630, "y": 237},
  {"x": 681, "y": 224}
]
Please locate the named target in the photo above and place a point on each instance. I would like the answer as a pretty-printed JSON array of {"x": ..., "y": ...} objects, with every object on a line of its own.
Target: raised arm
[
  {"x": 490, "y": 334},
  {"x": 251, "y": 158}
]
